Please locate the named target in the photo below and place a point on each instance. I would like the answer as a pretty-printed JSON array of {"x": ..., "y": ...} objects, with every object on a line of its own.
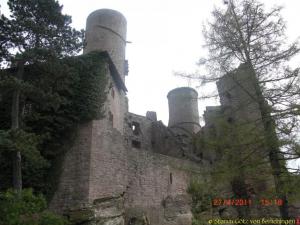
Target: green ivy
[{"x": 56, "y": 96}]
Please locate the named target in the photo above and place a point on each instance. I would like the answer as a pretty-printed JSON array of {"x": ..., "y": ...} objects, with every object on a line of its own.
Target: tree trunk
[
  {"x": 17, "y": 159},
  {"x": 272, "y": 146}
]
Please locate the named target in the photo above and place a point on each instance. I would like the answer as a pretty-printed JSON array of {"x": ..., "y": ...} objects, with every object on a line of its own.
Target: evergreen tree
[{"x": 36, "y": 31}]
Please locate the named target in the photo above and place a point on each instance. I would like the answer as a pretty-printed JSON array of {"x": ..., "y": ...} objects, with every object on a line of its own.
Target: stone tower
[
  {"x": 131, "y": 169},
  {"x": 126, "y": 168},
  {"x": 90, "y": 169},
  {"x": 183, "y": 109},
  {"x": 106, "y": 31}
]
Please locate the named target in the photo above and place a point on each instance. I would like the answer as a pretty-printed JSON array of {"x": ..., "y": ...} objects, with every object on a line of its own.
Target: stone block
[{"x": 109, "y": 207}]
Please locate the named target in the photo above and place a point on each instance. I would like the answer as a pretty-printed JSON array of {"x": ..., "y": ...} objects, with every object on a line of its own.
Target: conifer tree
[
  {"x": 245, "y": 33},
  {"x": 35, "y": 32}
]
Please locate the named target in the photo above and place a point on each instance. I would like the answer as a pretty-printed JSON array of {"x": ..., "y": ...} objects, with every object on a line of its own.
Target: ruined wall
[
  {"x": 106, "y": 31},
  {"x": 157, "y": 188},
  {"x": 114, "y": 173},
  {"x": 91, "y": 158},
  {"x": 138, "y": 172},
  {"x": 121, "y": 184},
  {"x": 138, "y": 132},
  {"x": 238, "y": 120},
  {"x": 237, "y": 92},
  {"x": 157, "y": 182},
  {"x": 108, "y": 168},
  {"x": 117, "y": 106},
  {"x": 151, "y": 135},
  {"x": 73, "y": 187}
]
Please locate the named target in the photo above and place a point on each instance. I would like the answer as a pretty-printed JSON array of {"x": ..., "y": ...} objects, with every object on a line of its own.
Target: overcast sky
[{"x": 166, "y": 36}]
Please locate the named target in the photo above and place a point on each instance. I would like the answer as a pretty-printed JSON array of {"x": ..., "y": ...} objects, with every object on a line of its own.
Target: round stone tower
[
  {"x": 106, "y": 31},
  {"x": 183, "y": 109}
]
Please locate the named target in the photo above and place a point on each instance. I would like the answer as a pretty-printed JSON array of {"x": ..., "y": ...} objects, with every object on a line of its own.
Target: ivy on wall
[{"x": 56, "y": 96}]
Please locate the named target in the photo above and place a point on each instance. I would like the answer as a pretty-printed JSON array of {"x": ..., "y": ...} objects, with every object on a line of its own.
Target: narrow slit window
[{"x": 111, "y": 117}]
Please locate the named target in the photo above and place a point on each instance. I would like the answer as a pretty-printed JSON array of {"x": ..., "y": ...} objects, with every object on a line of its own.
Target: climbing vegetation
[{"x": 57, "y": 95}]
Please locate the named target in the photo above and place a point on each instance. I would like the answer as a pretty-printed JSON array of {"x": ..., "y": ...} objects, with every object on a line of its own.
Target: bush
[{"x": 26, "y": 209}]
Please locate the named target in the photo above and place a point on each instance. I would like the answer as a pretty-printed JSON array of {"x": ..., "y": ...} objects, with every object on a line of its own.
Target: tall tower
[
  {"x": 106, "y": 31},
  {"x": 183, "y": 109}
]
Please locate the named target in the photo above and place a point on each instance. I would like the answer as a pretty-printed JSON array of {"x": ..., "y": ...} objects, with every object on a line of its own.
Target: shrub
[{"x": 26, "y": 209}]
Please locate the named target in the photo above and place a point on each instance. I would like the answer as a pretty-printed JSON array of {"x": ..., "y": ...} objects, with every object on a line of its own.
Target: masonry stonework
[
  {"x": 132, "y": 169},
  {"x": 119, "y": 171}
]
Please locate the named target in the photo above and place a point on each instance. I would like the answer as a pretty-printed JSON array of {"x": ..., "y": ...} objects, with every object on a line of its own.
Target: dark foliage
[
  {"x": 30, "y": 209},
  {"x": 56, "y": 95}
]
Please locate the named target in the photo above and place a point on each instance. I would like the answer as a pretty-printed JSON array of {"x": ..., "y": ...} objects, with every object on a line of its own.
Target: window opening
[
  {"x": 136, "y": 128},
  {"x": 111, "y": 117},
  {"x": 230, "y": 120},
  {"x": 171, "y": 178},
  {"x": 136, "y": 144}
]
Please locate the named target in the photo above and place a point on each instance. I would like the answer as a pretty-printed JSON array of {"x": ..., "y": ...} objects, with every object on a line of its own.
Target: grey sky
[{"x": 166, "y": 37}]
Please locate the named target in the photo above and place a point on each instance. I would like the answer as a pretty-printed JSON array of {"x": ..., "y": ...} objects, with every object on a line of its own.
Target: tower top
[
  {"x": 183, "y": 109},
  {"x": 106, "y": 31}
]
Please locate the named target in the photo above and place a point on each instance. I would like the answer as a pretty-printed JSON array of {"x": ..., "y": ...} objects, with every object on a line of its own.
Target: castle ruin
[{"x": 132, "y": 169}]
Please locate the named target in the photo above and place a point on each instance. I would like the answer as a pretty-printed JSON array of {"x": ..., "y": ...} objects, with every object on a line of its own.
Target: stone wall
[
  {"x": 157, "y": 188},
  {"x": 116, "y": 107},
  {"x": 237, "y": 92},
  {"x": 152, "y": 186},
  {"x": 239, "y": 114},
  {"x": 138, "y": 132},
  {"x": 106, "y": 31},
  {"x": 73, "y": 187},
  {"x": 101, "y": 168},
  {"x": 108, "y": 167}
]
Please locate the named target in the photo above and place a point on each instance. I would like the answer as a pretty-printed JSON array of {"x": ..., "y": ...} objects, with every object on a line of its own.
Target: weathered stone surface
[
  {"x": 177, "y": 209},
  {"x": 176, "y": 205},
  {"x": 131, "y": 169},
  {"x": 227, "y": 212},
  {"x": 109, "y": 221},
  {"x": 164, "y": 141},
  {"x": 73, "y": 188},
  {"x": 106, "y": 30},
  {"x": 151, "y": 116},
  {"x": 81, "y": 215},
  {"x": 183, "y": 109},
  {"x": 152, "y": 178},
  {"x": 104, "y": 211},
  {"x": 139, "y": 220},
  {"x": 115, "y": 221},
  {"x": 109, "y": 207}
]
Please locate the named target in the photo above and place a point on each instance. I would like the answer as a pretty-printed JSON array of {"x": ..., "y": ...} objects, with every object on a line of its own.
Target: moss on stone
[{"x": 80, "y": 216}]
